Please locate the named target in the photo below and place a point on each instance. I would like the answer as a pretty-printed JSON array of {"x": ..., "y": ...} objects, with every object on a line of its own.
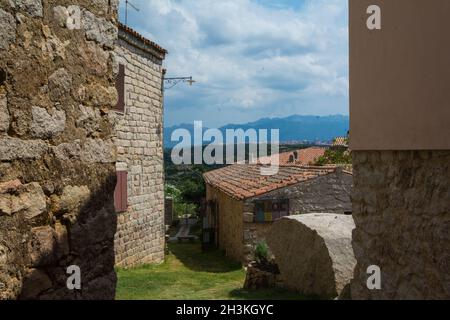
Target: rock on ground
[{"x": 314, "y": 253}]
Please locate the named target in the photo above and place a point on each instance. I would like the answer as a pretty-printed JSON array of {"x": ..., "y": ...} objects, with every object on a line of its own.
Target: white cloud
[{"x": 250, "y": 60}]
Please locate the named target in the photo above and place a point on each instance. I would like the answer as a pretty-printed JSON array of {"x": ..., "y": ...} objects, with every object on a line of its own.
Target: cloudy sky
[{"x": 251, "y": 58}]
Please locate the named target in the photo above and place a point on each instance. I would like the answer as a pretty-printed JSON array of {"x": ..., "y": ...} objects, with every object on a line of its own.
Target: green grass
[{"x": 189, "y": 274}]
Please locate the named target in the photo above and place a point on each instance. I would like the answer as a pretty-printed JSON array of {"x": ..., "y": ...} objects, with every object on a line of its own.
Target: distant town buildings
[
  {"x": 340, "y": 143},
  {"x": 302, "y": 157}
]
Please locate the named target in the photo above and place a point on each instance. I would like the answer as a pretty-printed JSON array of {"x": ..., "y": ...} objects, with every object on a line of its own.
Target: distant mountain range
[{"x": 294, "y": 128}]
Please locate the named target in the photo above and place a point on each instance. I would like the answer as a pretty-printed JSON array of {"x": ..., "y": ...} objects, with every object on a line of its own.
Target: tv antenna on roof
[{"x": 127, "y": 2}]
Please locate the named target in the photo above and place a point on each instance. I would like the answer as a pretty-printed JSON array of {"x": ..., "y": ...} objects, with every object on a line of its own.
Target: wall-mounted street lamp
[{"x": 172, "y": 82}]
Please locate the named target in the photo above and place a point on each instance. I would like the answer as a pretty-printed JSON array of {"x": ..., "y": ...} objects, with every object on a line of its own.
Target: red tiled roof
[
  {"x": 304, "y": 157},
  {"x": 141, "y": 38},
  {"x": 242, "y": 181}
]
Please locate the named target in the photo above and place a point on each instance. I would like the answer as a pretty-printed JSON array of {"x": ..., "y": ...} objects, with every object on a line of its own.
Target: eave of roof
[{"x": 141, "y": 42}]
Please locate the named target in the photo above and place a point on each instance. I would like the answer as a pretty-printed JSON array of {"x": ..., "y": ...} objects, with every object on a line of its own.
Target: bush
[
  {"x": 334, "y": 157},
  {"x": 262, "y": 252}
]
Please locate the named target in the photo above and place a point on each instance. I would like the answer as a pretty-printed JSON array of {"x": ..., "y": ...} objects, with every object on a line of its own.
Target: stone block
[
  {"x": 62, "y": 239},
  {"x": 10, "y": 186},
  {"x": 35, "y": 282},
  {"x": 89, "y": 119},
  {"x": 101, "y": 96},
  {"x": 72, "y": 199},
  {"x": 67, "y": 151},
  {"x": 5, "y": 204},
  {"x": 47, "y": 124},
  {"x": 248, "y": 217},
  {"x": 100, "y": 151},
  {"x": 42, "y": 246},
  {"x": 59, "y": 84},
  {"x": 31, "y": 7},
  {"x": 60, "y": 15},
  {"x": 99, "y": 29},
  {"x": 8, "y": 27},
  {"x": 14, "y": 148},
  {"x": 94, "y": 58},
  {"x": 31, "y": 201}
]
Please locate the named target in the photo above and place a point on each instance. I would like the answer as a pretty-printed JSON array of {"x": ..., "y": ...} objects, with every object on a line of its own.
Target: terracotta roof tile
[
  {"x": 243, "y": 181},
  {"x": 141, "y": 38}
]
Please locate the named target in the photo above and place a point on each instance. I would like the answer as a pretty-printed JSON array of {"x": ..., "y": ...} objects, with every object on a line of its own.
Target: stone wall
[
  {"x": 229, "y": 232},
  {"x": 329, "y": 193},
  {"x": 57, "y": 157},
  {"x": 401, "y": 210},
  {"x": 140, "y": 233}
]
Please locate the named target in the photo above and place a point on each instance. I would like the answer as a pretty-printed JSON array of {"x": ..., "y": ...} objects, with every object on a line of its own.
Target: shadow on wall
[
  {"x": 90, "y": 246},
  {"x": 77, "y": 227}
]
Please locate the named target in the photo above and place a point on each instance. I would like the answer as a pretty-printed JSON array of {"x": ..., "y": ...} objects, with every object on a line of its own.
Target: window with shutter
[
  {"x": 120, "y": 86},
  {"x": 121, "y": 192},
  {"x": 270, "y": 210}
]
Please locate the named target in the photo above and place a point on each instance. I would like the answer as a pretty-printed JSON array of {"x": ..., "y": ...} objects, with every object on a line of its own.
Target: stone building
[
  {"x": 139, "y": 194},
  {"x": 57, "y": 155},
  {"x": 242, "y": 204}
]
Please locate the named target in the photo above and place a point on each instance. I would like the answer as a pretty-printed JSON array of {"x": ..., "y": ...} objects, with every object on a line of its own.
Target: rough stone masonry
[
  {"x": 401, "y": 208},
  {"x": 57, "y": 157}
]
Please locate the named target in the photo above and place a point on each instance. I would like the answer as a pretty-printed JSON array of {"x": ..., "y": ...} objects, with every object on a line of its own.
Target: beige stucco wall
[{"x": 399, "y": 76}]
